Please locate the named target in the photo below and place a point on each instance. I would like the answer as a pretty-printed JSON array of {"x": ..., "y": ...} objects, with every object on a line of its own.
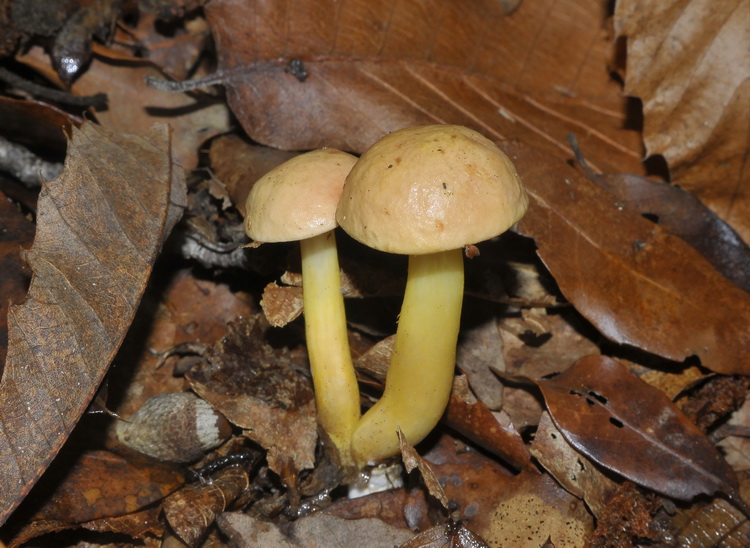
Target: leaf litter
[{"x": 606, "y": 282}]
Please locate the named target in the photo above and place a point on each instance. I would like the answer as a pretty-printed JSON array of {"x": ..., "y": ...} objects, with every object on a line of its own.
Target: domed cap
[
  {"x": 428, "y": 189},
  {"x": 297, "y": 199}
]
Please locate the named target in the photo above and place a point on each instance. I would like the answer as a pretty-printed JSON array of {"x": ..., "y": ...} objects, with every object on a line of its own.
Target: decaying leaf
[
  {"x": 259, "y": 389},
  {"x": 100, "y": 227},
  {"x": 102, "y": 484},
  {"x": 191, "y": 510},
  {"x": 629, "y": 427},
  {"x": 685, "y": 216},
  {"x": 636, "y": 283},
  {"x": 688, "y": 63}
]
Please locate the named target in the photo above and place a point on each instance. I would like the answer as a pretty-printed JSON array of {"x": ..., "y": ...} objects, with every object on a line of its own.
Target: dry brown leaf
[
  {"x": 412, "y": 461},
  {"x": 372, "y": 67},
  {"x": 133, "y": 107},
  {"x": 192, "y": 510},
  {"x": 688, "y": 62},
  {"x": 636, "y": 283},
  {"x": 17, "y": 233},
  {"x": 100, "y": 226},
  {"x": 259, "y": 389},
  {"x": 101, "y": 484},
  {"x": 575, "y": 472},
  {"x": 631, "y": 428}
]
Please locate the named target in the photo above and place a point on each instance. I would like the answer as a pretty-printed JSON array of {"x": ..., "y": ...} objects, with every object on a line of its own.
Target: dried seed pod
[{"x": 175, "y": 426}]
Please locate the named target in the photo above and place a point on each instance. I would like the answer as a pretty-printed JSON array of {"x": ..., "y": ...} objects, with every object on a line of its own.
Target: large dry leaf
[
  {"x": 369, "y": 67},
  {"x": 15, "y": 233},
  {"x": 635, "y": 282},
  {"x": 100, "y": 226},
  {"x": 688, "y": 62},
  {"x": 627, "y": 426}
]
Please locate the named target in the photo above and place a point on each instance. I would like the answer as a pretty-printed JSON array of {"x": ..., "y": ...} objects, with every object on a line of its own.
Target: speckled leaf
[
  {"x": 100, "y": 226},
  {"x": 629, "y": 427}
]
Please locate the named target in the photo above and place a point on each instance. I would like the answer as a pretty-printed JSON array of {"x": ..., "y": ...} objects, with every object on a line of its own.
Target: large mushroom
[
  {"x": 425, "y": 192},
  {"x": 297, "y": 201}
]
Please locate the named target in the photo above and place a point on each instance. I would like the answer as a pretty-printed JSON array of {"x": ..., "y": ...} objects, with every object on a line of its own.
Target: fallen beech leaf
[
  {"x": 637, "y": 284},
  {"x": 684, "y": 215},
  {"x": 100, "y": 226},
  {"x": 17, "y": 233},
  {"x": 370, "y": 67},
  {"x": 535, "y": 509},
  {"x": 631, "y": 428},
  {"x": 101, "y": 484},
  {"x": 688, "y": 63}
]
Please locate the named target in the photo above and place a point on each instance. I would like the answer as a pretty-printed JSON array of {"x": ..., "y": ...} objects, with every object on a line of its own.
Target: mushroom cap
[
  {"x": 428, "y": 189},
  {"x": 297, "y": 199}
]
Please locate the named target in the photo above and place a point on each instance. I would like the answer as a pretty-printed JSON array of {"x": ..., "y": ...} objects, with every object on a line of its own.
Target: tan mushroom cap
[
  {"x": 297, "y": 199},
  {"x": 428, "y": 189}
]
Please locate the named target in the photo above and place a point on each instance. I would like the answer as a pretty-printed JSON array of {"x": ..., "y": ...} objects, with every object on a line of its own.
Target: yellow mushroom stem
[
  {"x": 420, "y": 376},
  {"x": 336, "y": 389}
]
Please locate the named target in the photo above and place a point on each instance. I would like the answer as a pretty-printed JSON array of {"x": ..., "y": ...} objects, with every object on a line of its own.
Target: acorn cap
[
  {"x": 429, "y": 189},
  {"x": 297, "y": 199}
]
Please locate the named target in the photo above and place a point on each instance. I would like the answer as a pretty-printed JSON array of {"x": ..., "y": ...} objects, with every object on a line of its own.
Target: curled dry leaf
[
  {"x": 629, "y": 427},
  {"x": 688, "y": 63},
  {"x": 190, "y": 511},
  {"x": 635, "y": 282},
  {"x": 493, "y": 431},
  {"x": 412, "y": 460},
  {"x": 100, "y": 226}
]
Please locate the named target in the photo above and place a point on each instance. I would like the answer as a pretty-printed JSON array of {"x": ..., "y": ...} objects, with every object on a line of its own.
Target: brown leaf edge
[{"x": 82, "y": 299}]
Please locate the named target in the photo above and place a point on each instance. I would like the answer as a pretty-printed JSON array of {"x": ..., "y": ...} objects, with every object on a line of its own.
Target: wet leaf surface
[
  {"x": 628, "y": 427},
  {"x": 637, "y": 284},
  {"x": 63, "y": 337}
]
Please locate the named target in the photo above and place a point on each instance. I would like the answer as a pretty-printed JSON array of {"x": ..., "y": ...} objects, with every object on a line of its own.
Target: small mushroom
[
  {"x": 297, "y": 201},
  {"x": 425, "y": 192}
]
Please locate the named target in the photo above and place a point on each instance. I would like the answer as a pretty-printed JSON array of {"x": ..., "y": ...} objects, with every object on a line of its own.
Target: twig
[
  {"x": 26, "y": 166},
  {"x": 98, "y": 101}
]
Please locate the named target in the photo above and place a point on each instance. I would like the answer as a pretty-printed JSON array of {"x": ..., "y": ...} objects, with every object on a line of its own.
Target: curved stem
[
  {"x": 420, "y": 376},
  {"x": 336, "y": 389}
]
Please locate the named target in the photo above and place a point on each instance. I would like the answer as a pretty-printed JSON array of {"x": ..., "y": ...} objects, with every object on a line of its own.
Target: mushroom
[
  {"x": 297, "y": 201},
  {"x": 425, "y": 192}
]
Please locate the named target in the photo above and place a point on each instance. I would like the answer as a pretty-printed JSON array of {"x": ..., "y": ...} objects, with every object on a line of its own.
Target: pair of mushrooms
[{"x": 425, "y": 192}]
